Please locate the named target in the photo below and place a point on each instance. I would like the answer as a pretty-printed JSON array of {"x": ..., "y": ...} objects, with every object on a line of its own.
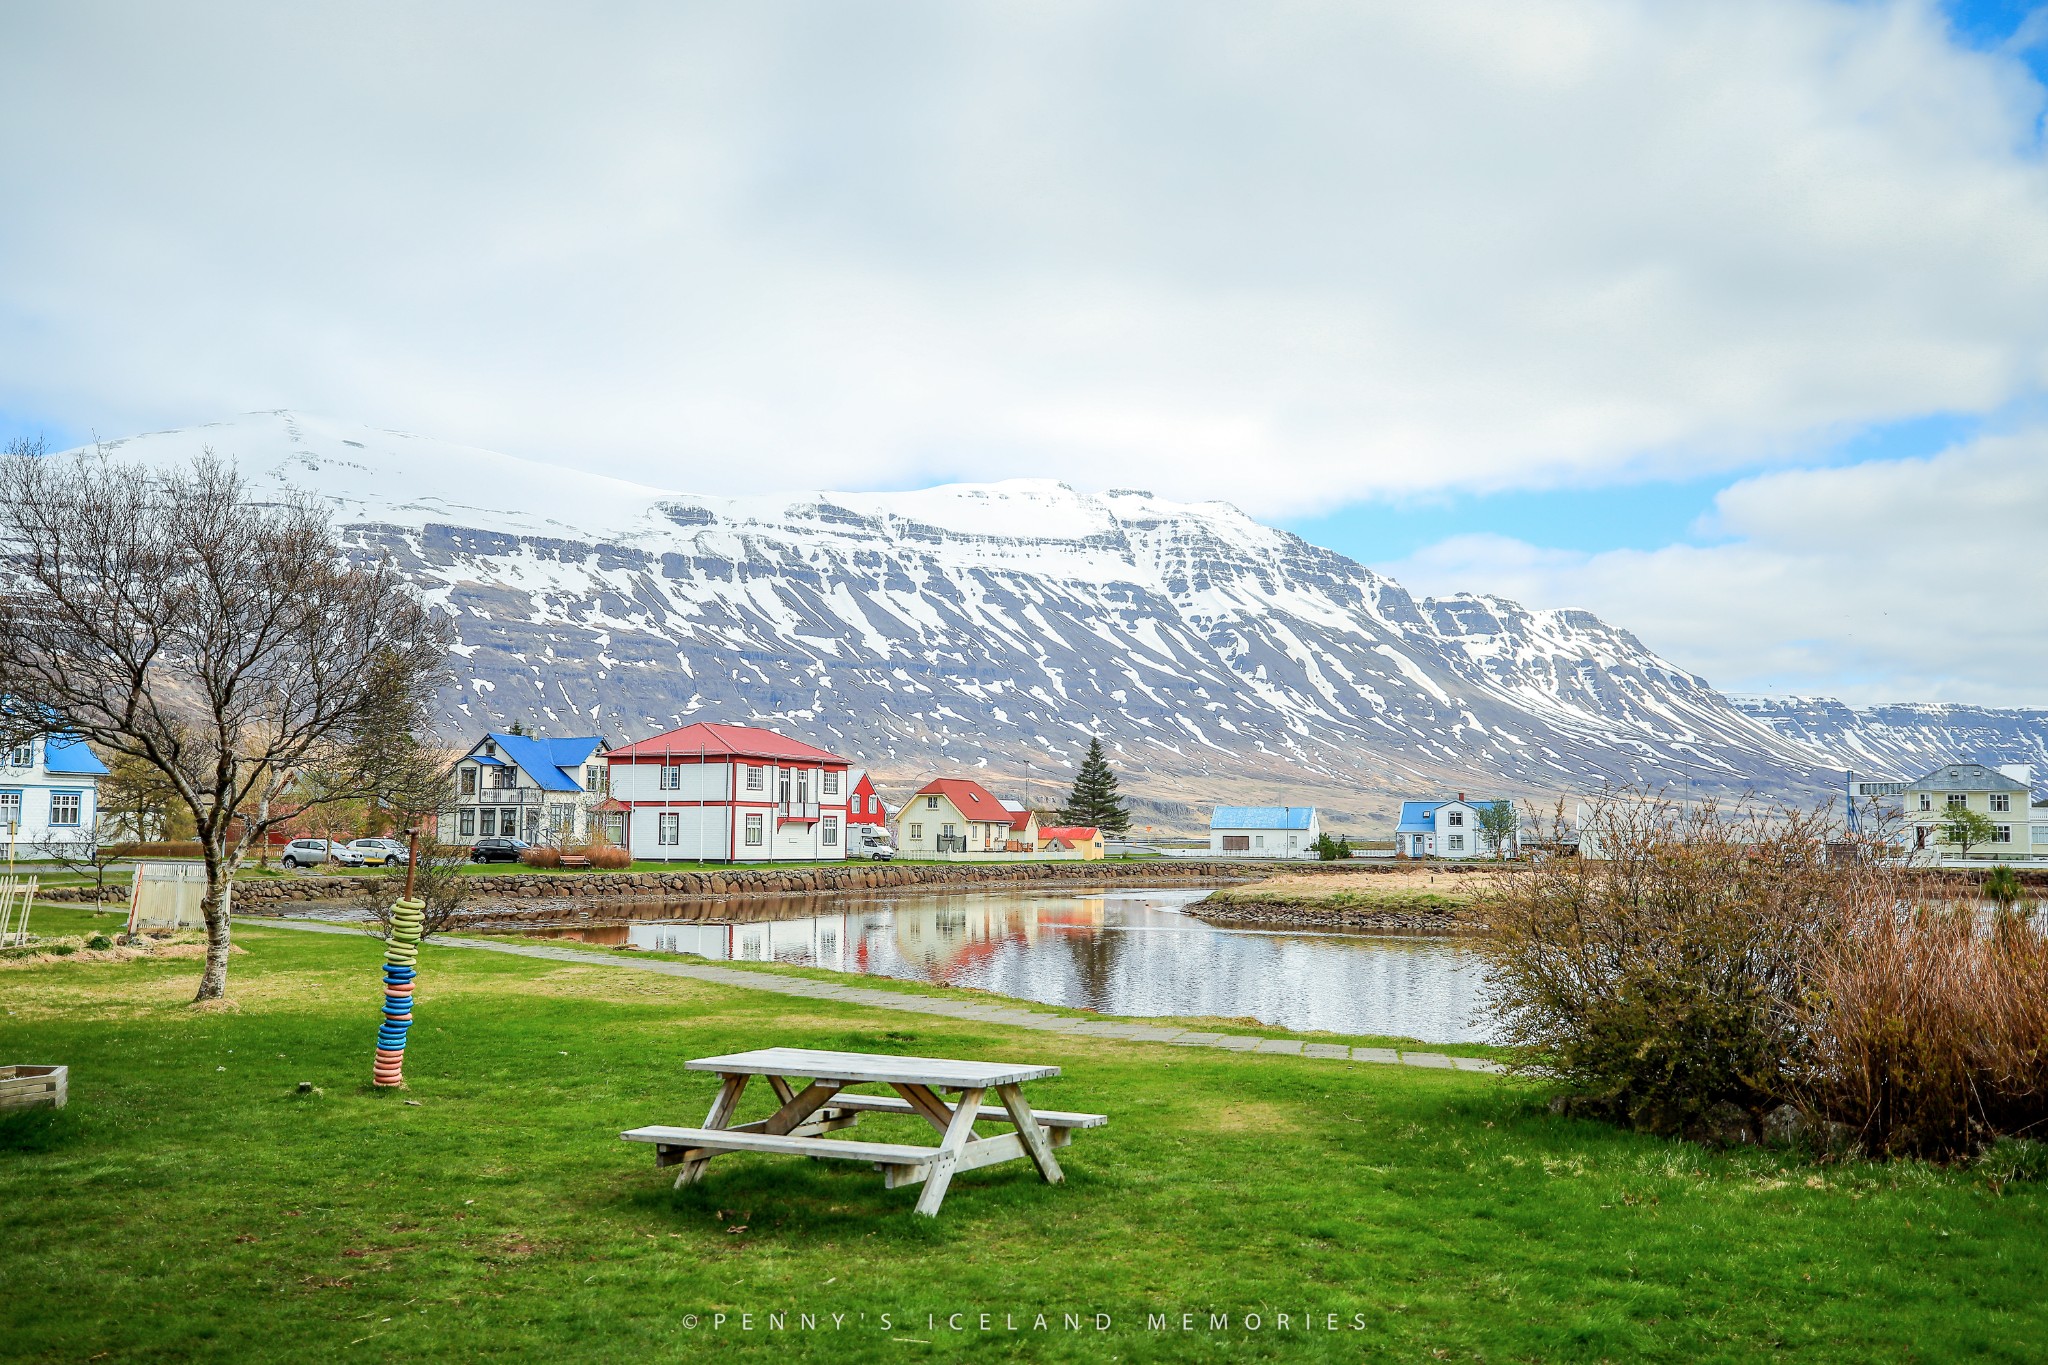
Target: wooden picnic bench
[
  {"x": 822, "y": 1106},
  {"x": 575, "y": 860}
]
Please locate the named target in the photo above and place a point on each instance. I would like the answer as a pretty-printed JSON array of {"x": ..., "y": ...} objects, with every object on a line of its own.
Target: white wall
[
  {"x": 703, "y": 830},
  {"x": 642, "y": 782}
]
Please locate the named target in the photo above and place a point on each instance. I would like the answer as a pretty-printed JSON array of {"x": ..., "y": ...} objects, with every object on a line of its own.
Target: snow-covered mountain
[{"x": 996, "y": 626}]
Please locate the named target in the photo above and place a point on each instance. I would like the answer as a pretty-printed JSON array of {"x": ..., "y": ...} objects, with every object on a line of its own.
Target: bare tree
[{"x": 228, "y": 642}]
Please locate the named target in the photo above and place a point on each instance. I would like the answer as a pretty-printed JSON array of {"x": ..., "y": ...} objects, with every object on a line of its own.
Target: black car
[{"x": 499, "y": 850}]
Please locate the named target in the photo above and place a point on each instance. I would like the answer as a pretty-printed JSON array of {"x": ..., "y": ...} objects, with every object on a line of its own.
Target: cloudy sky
[{"x": 1728, "y": 321}]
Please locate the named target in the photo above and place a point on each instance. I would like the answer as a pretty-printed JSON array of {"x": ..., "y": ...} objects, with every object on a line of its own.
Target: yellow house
[{"x": 1085, "y": 840}]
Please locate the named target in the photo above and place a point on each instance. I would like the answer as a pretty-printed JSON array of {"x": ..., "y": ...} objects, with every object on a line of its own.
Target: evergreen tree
[{"x": 1094, "y": 800}]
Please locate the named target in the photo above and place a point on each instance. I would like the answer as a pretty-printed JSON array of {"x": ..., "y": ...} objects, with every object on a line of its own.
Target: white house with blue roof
[
  {"x": 528, "y": 787},
  {"x": 1264, "y": 831},
  {"x": 50, "y": 794},
  {"x": 1447, "y": 828}
]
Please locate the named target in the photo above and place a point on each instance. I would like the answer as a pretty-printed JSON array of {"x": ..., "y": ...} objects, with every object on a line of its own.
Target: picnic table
[{"x": 822, "y": 1105}]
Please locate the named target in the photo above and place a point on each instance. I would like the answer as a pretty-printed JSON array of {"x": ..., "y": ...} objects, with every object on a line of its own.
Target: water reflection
[{"x": 1121, "y": 952}]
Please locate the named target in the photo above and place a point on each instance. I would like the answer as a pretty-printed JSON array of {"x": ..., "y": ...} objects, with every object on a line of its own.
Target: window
[
  {"x": 931, "y": 803},
  {"x": 503, "y": 778},
  {"x": 916, "y": 833},
  {"x": 1957, "y": 800},
  {"x": 829, "y": 783},
  {"x": 757, "y": 780},
  {"x": 1457, "y": 818},
  {"x": 803, "y": 787},
  {"x": 830, "y": 836},
  {"x": 1457, "y": 843},
  {"x": 487, "y": 821},
  {"x": 754, "y": 831},
  {"x": 10, "y": 809},
  {"x": 22, "y": 756},
  {"x": 1237, "y": 843},
  {"x": 2040, "y": 832},
  {"x": 782, "y": 785},
  {"x": 1926, "y": 802},
  {"x": 594, "y": 777},
  {"x": 671, "y": 777},
  {"x": 668, "y": 828},
  {"x": 2000, "y": 834},
  {"x": 2001, "y": 801},
  {"x": 468, "y": 780},
  {"x": 64, "y": 808},
  {"x": 946, "y": 830},
  {"x": 465, "y": 824},
  {"x": 1259, "y": 840}
]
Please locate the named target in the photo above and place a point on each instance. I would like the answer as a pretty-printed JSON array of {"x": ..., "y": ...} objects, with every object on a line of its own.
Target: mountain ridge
[{"x": 988, "y": 627}]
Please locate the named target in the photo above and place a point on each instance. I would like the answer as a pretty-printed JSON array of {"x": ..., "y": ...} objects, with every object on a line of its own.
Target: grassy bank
[
  {"x": 1391, "y": 892},
  {"x": 189, "y": 1204}
]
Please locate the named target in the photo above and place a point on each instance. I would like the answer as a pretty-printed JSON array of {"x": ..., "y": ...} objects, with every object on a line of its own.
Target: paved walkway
[{"x": 1011, "y": 1015}]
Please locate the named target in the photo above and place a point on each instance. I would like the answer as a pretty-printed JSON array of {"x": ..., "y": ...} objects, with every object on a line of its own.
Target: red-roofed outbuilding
[{"x": 730, "y": 793}]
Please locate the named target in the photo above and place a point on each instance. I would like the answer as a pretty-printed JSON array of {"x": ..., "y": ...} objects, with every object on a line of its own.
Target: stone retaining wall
[{"x": 740, "y": 881}]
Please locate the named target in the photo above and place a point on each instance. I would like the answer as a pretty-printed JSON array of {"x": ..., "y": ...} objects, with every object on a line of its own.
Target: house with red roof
[
  {"x": 863, "y": 807},
  {"x": 952, "y": 815},
  {"x": 730, "y": 793},
  {"x": 1081, "y": 841}
]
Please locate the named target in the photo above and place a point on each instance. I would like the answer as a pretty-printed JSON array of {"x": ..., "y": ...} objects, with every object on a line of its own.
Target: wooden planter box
[{"x": 25, "y": 1087}]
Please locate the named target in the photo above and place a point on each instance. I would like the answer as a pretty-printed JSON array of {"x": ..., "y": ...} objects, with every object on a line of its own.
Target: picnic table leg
[
  {"x": 957, "y": 1129},
  {"x": 730, "y": 1088},
  {"x": 1036, "y": 1142},
  {"x": 797, "y": 1108},
  {"x": 927, "y": 1103}
]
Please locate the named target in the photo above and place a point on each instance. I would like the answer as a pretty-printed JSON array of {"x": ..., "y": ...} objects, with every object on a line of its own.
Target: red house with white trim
[
  {"x": 730, "y": 793},
  {"x": 863, "y": 807}
]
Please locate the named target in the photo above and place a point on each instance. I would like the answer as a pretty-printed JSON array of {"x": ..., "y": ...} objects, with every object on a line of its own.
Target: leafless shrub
[
  {"x": 440, "y": 880},
  {"x": 1659, "y": 981},
  {"x": 1928, "y": 1028}
]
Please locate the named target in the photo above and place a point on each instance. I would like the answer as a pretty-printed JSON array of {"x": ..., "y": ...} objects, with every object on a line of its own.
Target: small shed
[{"x": 1264, "y": 831}]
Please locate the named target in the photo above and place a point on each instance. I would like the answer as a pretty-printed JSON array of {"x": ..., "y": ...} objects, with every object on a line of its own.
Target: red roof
[
  {"x": 970, "y": 798},
  {"x": 722, "y": 741},
  {"x": 1068, "y": 832},
  {"x": 1020, "y": 818}
]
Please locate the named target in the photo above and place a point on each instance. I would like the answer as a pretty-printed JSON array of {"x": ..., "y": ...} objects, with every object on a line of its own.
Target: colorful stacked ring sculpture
[{"x": 400, "y": 953}]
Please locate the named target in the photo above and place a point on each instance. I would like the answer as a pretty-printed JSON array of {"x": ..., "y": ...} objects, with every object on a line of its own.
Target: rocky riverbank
[{"x": 1428, "y": 901}]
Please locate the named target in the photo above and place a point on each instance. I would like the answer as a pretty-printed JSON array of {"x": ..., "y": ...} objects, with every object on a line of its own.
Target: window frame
[
  {"x": 2001, "y": 803},
  {"x": 829, "y": 834},
  {"x": 828, "y": 782},
  {"x": 668, "y": 829},
  {"x": 671, "y": 777},
  {"x": 755, "y": 830},
  {"x": 74, "y": 795},
  {"x": 465, "y": 823},
  {"x": 757, "y": 778},
  {"x": 466, "y": 782}
]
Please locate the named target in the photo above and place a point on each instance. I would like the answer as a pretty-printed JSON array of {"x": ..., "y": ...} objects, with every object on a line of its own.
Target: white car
[
  {"x": 389, "y": 852},
  {"x": 313, "y": 852}
]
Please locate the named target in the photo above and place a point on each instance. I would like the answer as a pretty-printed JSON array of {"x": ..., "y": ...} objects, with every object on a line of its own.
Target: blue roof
[
  {"x": 1418, "y": 817},
  {"x": 1261, "y": 817},
  {"x": 68, "y": 754},
  {"x": 544, "y": 760}
]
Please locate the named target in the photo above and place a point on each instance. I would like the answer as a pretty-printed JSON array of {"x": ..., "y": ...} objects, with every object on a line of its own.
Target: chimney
[
  {"x": 1461, "y": 796},
  {"x": 2022, "y": 773}
]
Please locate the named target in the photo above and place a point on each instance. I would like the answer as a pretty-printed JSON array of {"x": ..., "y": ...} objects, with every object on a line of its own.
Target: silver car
[
  {"x": 389, "y": 852},
  {"x": 313, "y": 852}
]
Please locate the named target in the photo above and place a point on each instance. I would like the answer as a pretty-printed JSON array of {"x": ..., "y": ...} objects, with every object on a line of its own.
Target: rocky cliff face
[{"x": 995, "y": 627}]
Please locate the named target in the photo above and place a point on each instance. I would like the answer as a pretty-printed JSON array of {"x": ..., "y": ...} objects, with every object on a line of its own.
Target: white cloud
[
  {"x": 1896, "y": 580},
  {"x": 1279, "y": 254}
]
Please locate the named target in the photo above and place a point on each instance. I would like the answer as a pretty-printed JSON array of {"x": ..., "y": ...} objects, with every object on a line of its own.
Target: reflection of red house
[{"x": 863, "y": 807}]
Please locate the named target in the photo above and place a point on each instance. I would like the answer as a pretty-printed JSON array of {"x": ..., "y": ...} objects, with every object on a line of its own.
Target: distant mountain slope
[
  {"x": 1906, "y": 739},
  {"x": 999, "y": 625}
]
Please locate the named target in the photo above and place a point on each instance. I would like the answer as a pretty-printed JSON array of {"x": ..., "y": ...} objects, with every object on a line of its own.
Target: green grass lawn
[{"x": 188, "y": 1204}]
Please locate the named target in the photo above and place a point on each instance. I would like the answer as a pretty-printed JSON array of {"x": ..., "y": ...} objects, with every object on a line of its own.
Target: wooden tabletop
[{"x": 870, "y": 1066}]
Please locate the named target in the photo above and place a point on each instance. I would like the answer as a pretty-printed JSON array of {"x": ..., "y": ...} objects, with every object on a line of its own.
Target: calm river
[{"x": 1126, "y": 952}]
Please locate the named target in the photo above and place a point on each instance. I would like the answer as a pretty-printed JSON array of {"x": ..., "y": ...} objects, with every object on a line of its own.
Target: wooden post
[
  {"x": 1034, "y": 1137},
  {"x": 730, "y": 1088},
  {"x": 412, "y": 859}
]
